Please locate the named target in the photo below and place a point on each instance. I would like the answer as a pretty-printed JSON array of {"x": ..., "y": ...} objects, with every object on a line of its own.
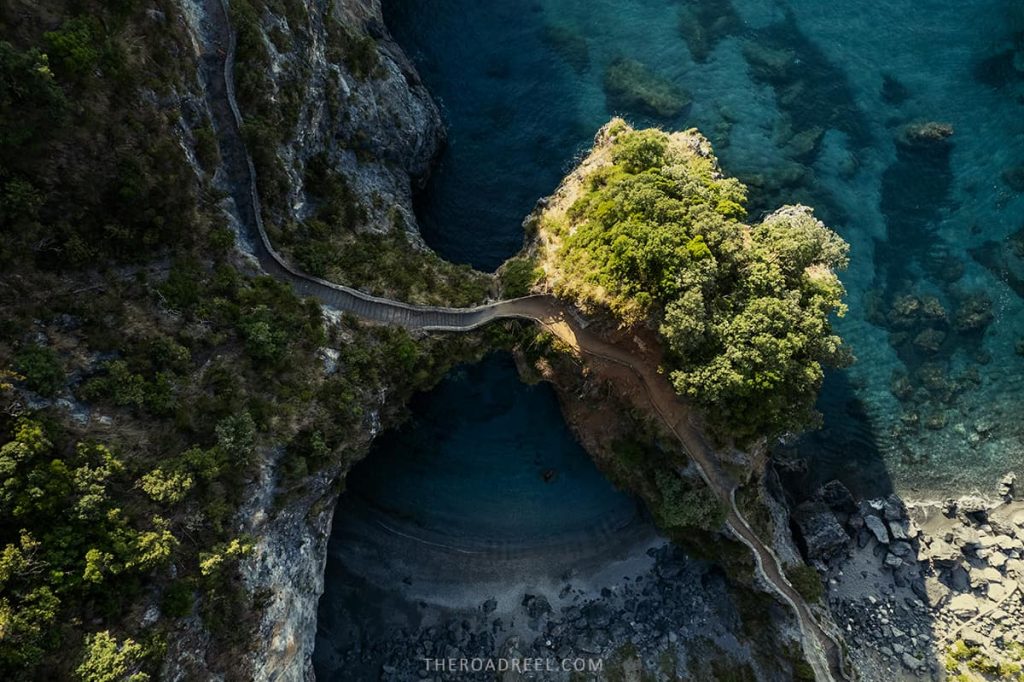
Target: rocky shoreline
[
  {"x": 921, "y": 589},
  {"x": 665, "y": 621}
]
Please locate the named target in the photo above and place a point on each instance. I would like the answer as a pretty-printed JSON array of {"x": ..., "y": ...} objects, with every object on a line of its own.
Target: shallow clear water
[
  {"x": 520, "y": 106},
  {"x": 487, "y": 460}
]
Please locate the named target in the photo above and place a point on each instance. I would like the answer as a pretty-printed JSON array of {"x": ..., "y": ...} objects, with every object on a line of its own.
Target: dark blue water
[
  {"x": 766, "y": 76},
  {"x": 517, "y": 115},
  {"x": 488, "y": 460}
]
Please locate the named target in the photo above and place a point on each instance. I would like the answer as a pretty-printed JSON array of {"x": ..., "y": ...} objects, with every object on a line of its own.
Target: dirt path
[
  {"x": 821, "y": 648},
  {"x": 217, "y": 61}
]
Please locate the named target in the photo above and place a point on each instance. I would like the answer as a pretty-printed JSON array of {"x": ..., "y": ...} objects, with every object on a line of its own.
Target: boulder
[
  {"x": 972, "y": 509},
  {"x": 995, "y": 591},
  {"x": 902, "y": 549},
  {"x": 893, "y": 508},
  {"x": 837, "y": 496},
  {"x": 536, "y": 605},
  {"x": 940, "y": 552},
  {"x": 964, "y": 537},
  {"x": 821, "y": 532},
  {"x": 912, "y": 662},
  {"x": 855, "y": 522},
  {"x": 991, "y": 575},
  {"x": 960, "y": 579},
  {"x": 972, "y": 637},
  {"x": 1007, "y": 486},
  {"x": 1008, "y": 543},
  {"x": 877, "y": 527},
  {"x": 935, "y": 592},
  {"x": 893, "y": 561},
  {"x": 964, "y": 606}
]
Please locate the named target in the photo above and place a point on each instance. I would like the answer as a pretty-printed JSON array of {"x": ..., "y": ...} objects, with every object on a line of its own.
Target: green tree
[
  {"x": 656, "y": 239},
  {"x": 684, "y": 506},
  {"x": 75, "y": 46},
  {"x": 107, "y": 660},
  {"x": 169, "y": 487}
]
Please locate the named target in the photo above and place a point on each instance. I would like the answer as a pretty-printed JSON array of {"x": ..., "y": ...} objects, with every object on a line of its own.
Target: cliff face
[
  {"x": 378, "y": 128},
  {"x": 372, "y": 116}
]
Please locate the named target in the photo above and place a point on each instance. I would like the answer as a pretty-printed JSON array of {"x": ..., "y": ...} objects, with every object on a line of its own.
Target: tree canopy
[{"x": 655, "y": 236}]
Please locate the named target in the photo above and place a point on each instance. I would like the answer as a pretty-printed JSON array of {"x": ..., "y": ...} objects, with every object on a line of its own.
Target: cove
[
  {"x": 481, "y": 502},
  {"x": 487, "y": 461}
]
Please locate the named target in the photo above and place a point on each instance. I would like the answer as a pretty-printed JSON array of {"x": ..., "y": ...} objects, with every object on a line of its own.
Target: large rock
[
  {"x": 995, "y": 591},
  {"x": 964, "y": 606},
  {"x": 877, "y": 526},
  {"x": 912, "y": 662},
  {"x": 935, "y": 592},
  {"x": 821, "y": 532},
  {"x": 837, "y": 496},
  {"x": 964, "y": 537},
  {"x": 893, "y": 508},
  {"x": 940, "y": 552},
  {"x": 902, "y": 550},
  {"x": 1007, "y": 486}
]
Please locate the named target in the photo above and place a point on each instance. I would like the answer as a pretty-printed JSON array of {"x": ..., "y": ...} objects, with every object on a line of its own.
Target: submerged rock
[
  {"x": 631, "y": 85},
  {"x": 930, "y": 340},
  {"x": 925, "y": 134},
  {"x": 974, "y": 313},
  {"x": 1014, "y": 178},
  {"x": 569, "y": 44},
  {"x": 893, "y": 91}
]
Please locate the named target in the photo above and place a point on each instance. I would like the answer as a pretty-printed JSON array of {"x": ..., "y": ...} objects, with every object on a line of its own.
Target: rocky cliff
[{"x": 364, "y": 109}]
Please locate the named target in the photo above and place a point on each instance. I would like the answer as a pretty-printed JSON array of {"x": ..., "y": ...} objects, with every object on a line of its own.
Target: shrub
[
  {"x": 177, "y": 599},
  {"x": 107, "y": 660},
  {"x": 640, "y": 150},
  {"x": 207, "y": 151},
  {"x": 685, "y": 506},
  {"x": 167, "y": 487},
  {"x": 517, "y": 276},
  {"x": 806, "y": 581},
  {"x": 42, "y": 369},
  {"x": 356, "y": 50}
]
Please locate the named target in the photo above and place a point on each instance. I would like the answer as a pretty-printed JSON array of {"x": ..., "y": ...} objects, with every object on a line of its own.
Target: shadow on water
[
  {"x": 512, "y": 128},
  {"x": 844, "y": 449},
  {"x": 809, "y": 88},
  {"x": 916, "y": 191}
]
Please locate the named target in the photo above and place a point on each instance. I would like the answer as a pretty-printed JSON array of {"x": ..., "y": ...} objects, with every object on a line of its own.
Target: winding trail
[{"x": 821, "y": 647}]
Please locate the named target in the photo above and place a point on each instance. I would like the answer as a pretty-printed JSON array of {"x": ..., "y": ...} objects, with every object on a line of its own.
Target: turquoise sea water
[{"x": 805, "y": 102}]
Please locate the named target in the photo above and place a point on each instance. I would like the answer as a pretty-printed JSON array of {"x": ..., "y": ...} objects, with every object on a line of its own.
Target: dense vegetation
[
  {"x": 333, "y": 243},
  {"x": 146, "y": 376},
  {"x": 654, "y": 237}
]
